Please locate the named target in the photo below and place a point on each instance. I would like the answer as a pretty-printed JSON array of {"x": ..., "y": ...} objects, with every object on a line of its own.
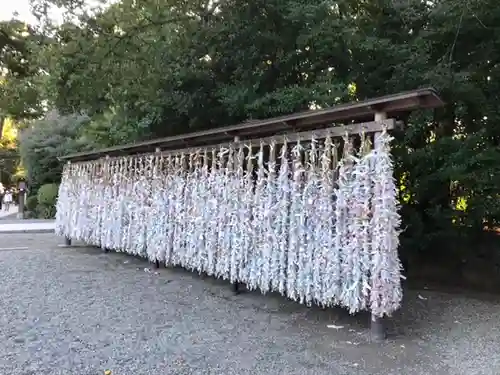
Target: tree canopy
[{"x": 137, "y": 69}]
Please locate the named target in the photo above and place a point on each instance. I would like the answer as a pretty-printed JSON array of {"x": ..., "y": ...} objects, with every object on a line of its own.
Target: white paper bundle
[
  {"x": 282, "y": 217},
  {"x": 386, "y": 293}
]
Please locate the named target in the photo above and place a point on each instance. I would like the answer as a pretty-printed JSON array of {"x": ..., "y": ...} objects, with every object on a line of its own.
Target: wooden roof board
[{"x": 308, "y": 120}]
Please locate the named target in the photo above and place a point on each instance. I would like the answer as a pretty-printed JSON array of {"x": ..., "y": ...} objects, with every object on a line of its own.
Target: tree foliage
[
  {"x": 149, "y": 68},
  {"x": 9, "y": 158},
  {"x": 20, "y": 73},
  {"x": 47, "y": 139}
]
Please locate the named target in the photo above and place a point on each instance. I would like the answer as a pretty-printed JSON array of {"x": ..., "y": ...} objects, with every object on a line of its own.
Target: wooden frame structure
[
  {"x": 392, "y": 106},
  {"x": 370, "y": 116}
]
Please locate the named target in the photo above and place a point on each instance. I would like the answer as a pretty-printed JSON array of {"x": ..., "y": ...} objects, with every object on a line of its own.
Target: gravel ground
[
  {"x": 12, "y": 219},
  {"x": 8, "y": 218},
  {"x": 79, "y": 311}
]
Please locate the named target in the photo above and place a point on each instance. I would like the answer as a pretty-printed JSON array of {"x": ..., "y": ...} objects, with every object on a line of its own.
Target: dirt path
[{"x": 80, "y": 311}]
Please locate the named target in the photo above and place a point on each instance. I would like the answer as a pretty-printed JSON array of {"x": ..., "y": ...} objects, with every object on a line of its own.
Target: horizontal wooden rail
[{"x": 334, "y": 132}]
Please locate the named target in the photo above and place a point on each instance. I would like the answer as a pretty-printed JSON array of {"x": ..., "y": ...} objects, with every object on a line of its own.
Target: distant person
[
  {"x": 7, "y": 200},
  {"x": 2, "y": 191}
]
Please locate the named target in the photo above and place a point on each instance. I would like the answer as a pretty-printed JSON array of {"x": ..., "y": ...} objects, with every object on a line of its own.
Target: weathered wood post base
[
  {"x": 20, "y": 212},
  {"x": 235, "y": 288},
  {"x": 157, "y": 263},
  {"x": 377, "y": 329},
  {"x": 67, "y": 242}
]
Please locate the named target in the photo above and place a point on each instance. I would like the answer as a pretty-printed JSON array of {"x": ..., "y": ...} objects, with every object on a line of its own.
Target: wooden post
[
  {"x": 20, "y": 211},
  {"x": 377, "y": 327},
  {"x": 21, "y": 195},
  {"x": 236, "y": 285},
  {"x": 157, "y": 262},
  {"x": 380, "y": 116},
  {"x": 105, "y": 249}
]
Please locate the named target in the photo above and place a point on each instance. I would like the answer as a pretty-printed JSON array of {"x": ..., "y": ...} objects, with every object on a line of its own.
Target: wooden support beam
[
  {"x": 377, "y": 325},
  {"x": 377, "y": 329},
  {"x": 67, "y": 242},
  {"x": 235, "y": 286},
  {"x": 334, "y": 131}
]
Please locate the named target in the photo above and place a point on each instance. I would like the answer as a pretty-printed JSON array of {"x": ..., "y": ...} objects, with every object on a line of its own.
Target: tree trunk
[{"x": 2, "y": 119}]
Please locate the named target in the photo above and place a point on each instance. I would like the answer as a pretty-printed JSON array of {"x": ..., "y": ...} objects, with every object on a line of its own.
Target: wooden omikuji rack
[{"x": 369, "y": 116}]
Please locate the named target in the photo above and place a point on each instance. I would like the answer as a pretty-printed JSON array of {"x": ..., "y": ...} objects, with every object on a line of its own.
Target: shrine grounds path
[{"x": 79, "y": 311}]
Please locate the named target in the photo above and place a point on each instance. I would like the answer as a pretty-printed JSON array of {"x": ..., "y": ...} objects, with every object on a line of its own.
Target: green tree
[
  {"x": 148, "y": 68},
  {"x": 9, "y": 157},
  {"x": 47, "y": 139},
  {"x": 20, "y": 74}
]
